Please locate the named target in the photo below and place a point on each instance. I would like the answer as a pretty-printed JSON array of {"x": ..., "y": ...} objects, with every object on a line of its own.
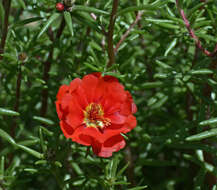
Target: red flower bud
[{"x": 60, "y": 7}]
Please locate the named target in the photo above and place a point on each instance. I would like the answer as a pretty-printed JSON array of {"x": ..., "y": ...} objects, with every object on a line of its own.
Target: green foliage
[{"x": 173, "y": 83}]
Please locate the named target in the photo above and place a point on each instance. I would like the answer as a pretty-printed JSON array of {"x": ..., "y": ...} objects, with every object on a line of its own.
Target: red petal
[
  {"x": 88, "y": 131},
  {"x": 117, "y": 118},
  {"x": 67, "y": 129},
  {"x": 130, "y": 124},
  {"x": 113, "y": 144},
  {"x": 80, "y": 97},
  {"x": 89, "y": 83},
  {"x": 62, "y": 105},
  {"x": 66, "y": 100},
  {"x": 62, "y": 91},
  {"x": 128, "y": 107},
  {"x": 131, "y": 121},
  {"x": 110, "y": 132},
  {"x": 114, "y": 97},
  {"x": 96, "y": 74},
  {"x": 111, "y": 106},
  {"x": 114, "y": 126},
  {"x": 134, "y": 108},
  {"x": 96, "y": 146},
  {"x": 99, "y": 91},
  {"x": 109, "y": 78},
  {"x": 74, "y": 84},
  {"x": 85, "y": 139},
  {"x": 59, "y": 110},
  {"x": 73, "y": 113},
  {"x": 74, "y": 119},
  {"x": 116, "y": 91}
]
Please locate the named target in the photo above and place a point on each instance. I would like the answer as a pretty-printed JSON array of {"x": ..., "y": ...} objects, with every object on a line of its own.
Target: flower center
[{"x": 94, "y": 116}]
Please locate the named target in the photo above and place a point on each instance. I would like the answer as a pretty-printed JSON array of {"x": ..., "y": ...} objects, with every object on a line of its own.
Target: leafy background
[{"x": 171, "y": 77}]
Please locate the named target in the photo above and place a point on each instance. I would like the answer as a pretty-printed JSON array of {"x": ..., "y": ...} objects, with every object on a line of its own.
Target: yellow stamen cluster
[{"x": 94, "y": 116}]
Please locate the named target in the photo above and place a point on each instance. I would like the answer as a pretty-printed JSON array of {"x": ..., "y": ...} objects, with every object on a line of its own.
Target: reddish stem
[
  {"x": 192, "y": 34},
  {"x": 138, "y": 17}
]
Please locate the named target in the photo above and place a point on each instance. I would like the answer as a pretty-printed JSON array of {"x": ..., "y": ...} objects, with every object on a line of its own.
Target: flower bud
[
  {"x": 60, "y": 7},
  {"x": 22, "y": 56}
]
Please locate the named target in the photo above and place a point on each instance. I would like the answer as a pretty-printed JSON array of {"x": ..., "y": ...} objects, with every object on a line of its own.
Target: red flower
[{"x": 95, "y": 111}]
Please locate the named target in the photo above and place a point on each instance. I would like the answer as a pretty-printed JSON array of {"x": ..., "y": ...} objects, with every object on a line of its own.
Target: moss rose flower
[{"x": 94, "y": 111}]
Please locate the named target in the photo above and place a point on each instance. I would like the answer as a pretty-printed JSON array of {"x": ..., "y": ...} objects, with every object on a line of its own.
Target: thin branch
[
  {"x": 138, "y": 17},
  {"x": 111, "y": 52},
  {"x": 47, "y": 66},
  {"x": 22, "y": 58},
  {"x": 17, "y": 103},
  {"x": 17, "y": 100},
  {"x": 192, "y": 34},
  {"x": 130, "y": 169},
  {"x": 195, "y": 56},
  {"x": 210, "y": 178},
  {"x": 60, "y": 31},
  {"x": 7, "y": 6},
  {"x": 46, "y": 76}
]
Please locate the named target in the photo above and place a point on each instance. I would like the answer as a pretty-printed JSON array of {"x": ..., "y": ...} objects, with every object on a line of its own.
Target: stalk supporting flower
[{"x": 94, "y": 111}]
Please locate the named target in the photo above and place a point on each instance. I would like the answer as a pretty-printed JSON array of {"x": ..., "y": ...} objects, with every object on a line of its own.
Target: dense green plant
[{"x": 162, "y": 51}]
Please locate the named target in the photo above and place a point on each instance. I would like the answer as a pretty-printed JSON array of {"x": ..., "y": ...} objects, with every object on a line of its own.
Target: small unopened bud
[
  {"x": 60, "y": 7},
  {"x": 22, "y": 56}
]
